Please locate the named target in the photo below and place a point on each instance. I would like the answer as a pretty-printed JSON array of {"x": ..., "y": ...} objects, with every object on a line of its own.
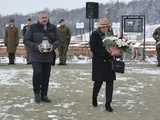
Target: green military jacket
[
  {"x": 11, "y": 39},
  {"x": 64, "y": 35}
]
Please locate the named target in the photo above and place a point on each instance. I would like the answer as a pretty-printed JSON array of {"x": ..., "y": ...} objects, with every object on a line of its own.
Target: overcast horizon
[{"x": 8, "y": 7}]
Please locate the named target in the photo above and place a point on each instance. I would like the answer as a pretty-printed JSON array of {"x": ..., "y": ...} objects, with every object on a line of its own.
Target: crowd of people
[
  {"x": 12, "y": 35},
  {"x": 42, "y": 38}
]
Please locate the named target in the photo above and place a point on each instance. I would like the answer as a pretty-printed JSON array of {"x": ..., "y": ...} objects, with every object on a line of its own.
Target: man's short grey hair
[{"x": 43, "y": 12}]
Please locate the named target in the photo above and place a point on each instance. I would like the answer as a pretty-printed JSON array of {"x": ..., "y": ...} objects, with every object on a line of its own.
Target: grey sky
[{"x": 8, "y": 7}]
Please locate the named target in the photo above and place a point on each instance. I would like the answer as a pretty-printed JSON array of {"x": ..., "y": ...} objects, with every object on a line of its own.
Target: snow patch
[{"x": 7, "y": 77}]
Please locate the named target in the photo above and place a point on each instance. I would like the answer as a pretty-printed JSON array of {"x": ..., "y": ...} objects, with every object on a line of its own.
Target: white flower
[{"x": 111, "y": 41}]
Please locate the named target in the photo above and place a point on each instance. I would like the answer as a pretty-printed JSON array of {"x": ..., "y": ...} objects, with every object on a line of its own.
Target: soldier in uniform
[
  {"x": 25, "y": 28},
  {"x": 156, "y": 36},
  {"x": 11, "y": 40},
  {"x": 64, "y": 40}
]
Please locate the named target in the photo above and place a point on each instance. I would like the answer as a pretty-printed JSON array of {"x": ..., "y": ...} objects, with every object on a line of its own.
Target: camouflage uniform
[
  {"x": 156, "y": 36},
  {"x": 64, "y": 40}
]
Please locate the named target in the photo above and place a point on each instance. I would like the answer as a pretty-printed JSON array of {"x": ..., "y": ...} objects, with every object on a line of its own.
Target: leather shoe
[
  {"x": 109, "y": 108},
  {"x": 37, "y": 98},
  {"x": 45, "y": 99},
  {"x": 62, "y": 64}
]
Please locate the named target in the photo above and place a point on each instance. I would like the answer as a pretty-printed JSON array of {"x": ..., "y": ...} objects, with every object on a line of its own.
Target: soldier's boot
[
  {"x": 158, "y": 61},
  {"x": 62, "y": 62},
  {"x": 11, "y": 58},
  {"x": 12, "y": 61}
]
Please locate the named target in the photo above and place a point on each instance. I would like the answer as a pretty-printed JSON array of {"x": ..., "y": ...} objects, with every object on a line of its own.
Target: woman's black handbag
[{"x": 118, "y": 66}]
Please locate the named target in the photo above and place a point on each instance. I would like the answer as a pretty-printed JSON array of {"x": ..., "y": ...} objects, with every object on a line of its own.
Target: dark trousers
[
  {"x": 41, "y": 74},
  {"x": 109, "y": 90},
  {"x": 11, "y": 57},
  {"x": 63, "y": 54}
]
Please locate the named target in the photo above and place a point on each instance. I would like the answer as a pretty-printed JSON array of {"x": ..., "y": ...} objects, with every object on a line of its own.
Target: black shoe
[
  {"x": 45, "y": 99},
  {"x": 37, "y": 98},
  {"x": 94, "y": 101},
  {"x": 11, "y": 63},
  {"x": 109, "y": 108},
  {"x": 62, "y": 64}
]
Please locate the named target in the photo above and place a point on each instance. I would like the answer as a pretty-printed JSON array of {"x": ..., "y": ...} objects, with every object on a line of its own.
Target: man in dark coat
[
  {"x": 64, "y": 40},
  {"x": 41, "y": 57},
  {"x": 25, "y": 28},
  {"x": 11, "y": 40},
  {"x": 102, "y": 64},
  {"x": 156, "y": 36}
]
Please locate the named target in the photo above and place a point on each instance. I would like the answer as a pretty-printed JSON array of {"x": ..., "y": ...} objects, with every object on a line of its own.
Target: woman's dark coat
[{"x": 101, "y": 59}]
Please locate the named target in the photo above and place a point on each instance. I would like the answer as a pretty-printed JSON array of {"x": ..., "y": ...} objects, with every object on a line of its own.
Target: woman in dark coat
[{"x": 102, "y": 64}]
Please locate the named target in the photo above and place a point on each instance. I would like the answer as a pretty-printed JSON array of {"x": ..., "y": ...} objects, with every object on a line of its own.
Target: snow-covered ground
[
  {"x": 79, "y": 60},
  {"x": 75, "y": 60},
  {"x": 136, "y": 94}
]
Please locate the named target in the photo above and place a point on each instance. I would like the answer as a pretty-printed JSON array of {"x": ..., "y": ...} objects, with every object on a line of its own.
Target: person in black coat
[
  {"x": 25, "y": 28},
  {"x": 102, "y": 64},
  {"x": 40, "y": 58}
]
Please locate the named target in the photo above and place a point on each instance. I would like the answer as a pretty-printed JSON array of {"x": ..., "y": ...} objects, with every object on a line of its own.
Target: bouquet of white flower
[{"x": 113, "y": 41}]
